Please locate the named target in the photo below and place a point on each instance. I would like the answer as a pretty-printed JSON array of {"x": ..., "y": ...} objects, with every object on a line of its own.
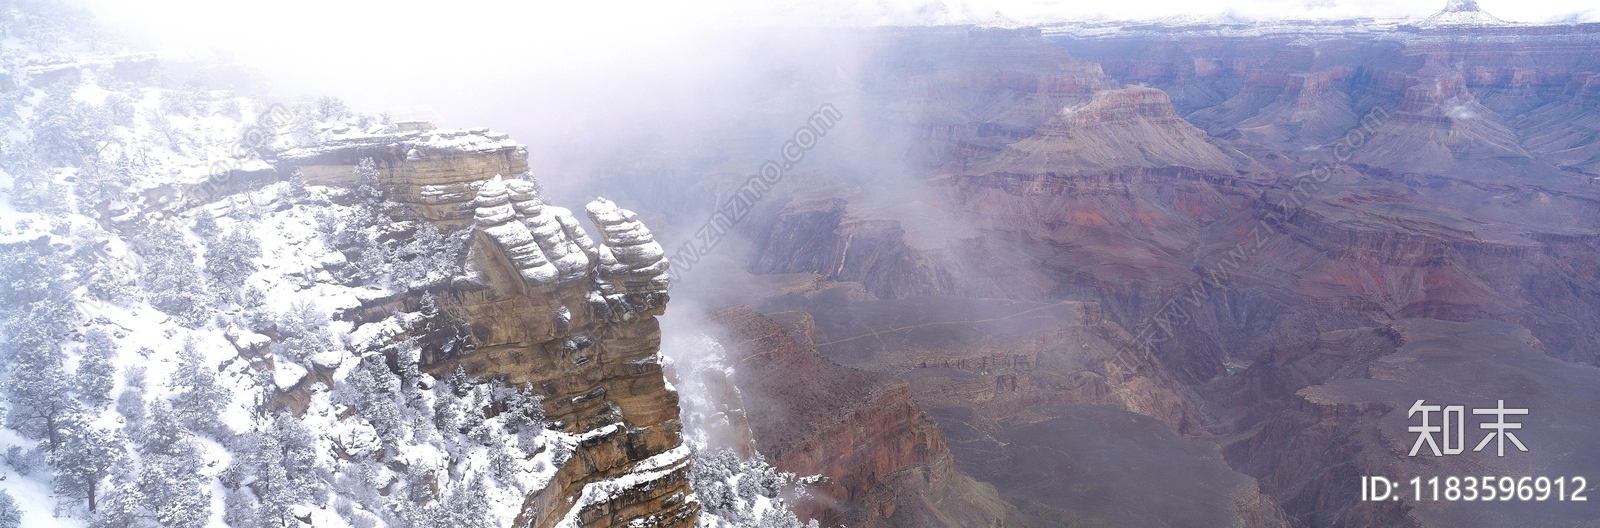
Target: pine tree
[
  {"x": 130, "y": 404},
  {"x": 368, "y": 184},
  {"x": 198, "y": 399},
  {"x": 110, "y": 283},
  {"x": 205, "y": 225},
  {"x": 303, "y": 129},
  {"x": 303, "y": 337},
  {"x": 170, "y": 478},
  {"x": 429, "y": 307},
  {"x": 524, "y": 409},
  {"x": 297, "y": 453},
  {"x": 64, "y": 131},
  {"x": 85, "y": 460},
  {"x": 446, "y": 412},
  {"x": 297, "y": 187},
  {"x": 374, "y": 392},
  {"x": 10, "y": 515},
  {"x": 230, "y": 260},
  {"x": 124, "y": 505},
  {"x": 36, "y": 293},
  {"x": 95, "y": 377},
  {"x": 40, "y": 393},
  {"x": 460, "y": 383},
  {"x": 426, "y": 259},
  {"x": 332, "y": 108},
  {"x": 239, "y": 510},
  {"x": 277, "y": 498},
  {"x": 170, "y": 277},
  {"x": 102, "y": 179},
  {"x": 468, "y": 507}
]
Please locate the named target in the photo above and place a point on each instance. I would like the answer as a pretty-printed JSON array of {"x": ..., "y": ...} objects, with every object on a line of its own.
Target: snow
[
  {"x": 286, "y": 374},
  {"x": 296, "y": 269},
  {"x": 644, "y": 472},
  {"x": 33, "y": 493}
]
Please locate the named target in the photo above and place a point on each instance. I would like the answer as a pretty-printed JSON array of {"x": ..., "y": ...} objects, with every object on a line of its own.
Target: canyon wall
[
  {"x": 883, "y": 461},
  {"x": 1224, "y": 192},
  {"x": 540, "y": 303}
]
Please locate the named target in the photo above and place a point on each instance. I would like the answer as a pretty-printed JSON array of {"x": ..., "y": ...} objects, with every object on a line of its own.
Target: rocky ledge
[{"x": 540, "y": 303}]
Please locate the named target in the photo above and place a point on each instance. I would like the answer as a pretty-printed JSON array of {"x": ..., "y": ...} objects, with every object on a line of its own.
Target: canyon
[
  {"x": 1052, "y": 274},
  {"x": 1100, "y": 251}
]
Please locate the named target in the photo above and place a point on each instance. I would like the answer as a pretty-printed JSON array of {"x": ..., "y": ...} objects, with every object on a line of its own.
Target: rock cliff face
[
  {"x": 1262, "y": 185},
  {"x": 1013, "y": 384},
  {"x": 434, "y": 171},
  {"x": 1322, "y": 413},
  {"x": 1130, "y": 127},
  {"x": 542, "y": 303},
  {"x": 883, "y": 460}
]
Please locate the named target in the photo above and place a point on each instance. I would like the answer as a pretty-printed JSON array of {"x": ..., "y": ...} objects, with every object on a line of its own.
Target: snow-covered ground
[
  {"x": 218, "y": 308},
  {"x": 153, "y": 339}
]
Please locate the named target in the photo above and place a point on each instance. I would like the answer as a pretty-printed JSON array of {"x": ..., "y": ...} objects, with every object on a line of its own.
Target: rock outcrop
[
  {"x": 540, "y": 303},
  {"x": 1014, "y": 383},
  {"x": 884, "y": 462},
  {"x": 1128, "y": 127},
  {"x": 435, "y": 171}
]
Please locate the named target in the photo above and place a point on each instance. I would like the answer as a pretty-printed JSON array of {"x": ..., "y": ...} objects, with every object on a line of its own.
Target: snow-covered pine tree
[
  {"x": 427, "y": 258},
  {"x": 36, "y": 290},
  {"x": 278, "y": 465},
  {"x": 239, "y": 509},
  {"x": 84, "y": 461},
  {"x": 64, "y": 130},
  {"x": 111, "y": 283},
  {"x": 102, "y": 178},
  {"x": 369, "y": 185},
  {"x": 296, "y": 191},
  {"x": 330, "y": 108},
  {"x": 96, "y": 373},
  {"x": 230, "y": 259},
  {"x": 10, "y": 515},
  {"x": 303, "y": 129},
  {"x": 303, "y": 336},
  {"x": 468, "y": 506},
  {"x": 730, "y": 490},
  {"x": 374, "y": 392},
  {"x": 205, "y": 225},
  {"x": 40, "y": 394},
  {"x": 170, "y": 277},
  {"x": 197, "y": 398},
  {"x": 130, "y": 404},
  {"x": 459, "y": 383},
  {"x": 169, "y": 477},
  {"x": 124, "y": 505}
]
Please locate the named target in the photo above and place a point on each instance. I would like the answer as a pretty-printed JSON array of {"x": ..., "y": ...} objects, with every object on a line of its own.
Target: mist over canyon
[{"x": 1190, "y": 272}]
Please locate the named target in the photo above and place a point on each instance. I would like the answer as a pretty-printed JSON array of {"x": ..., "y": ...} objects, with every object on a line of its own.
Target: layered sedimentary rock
[
  {"x": 1370, "y": 172},
  {"x": 1321, "y": 414},
  {"x": 1129, "y": 127},
  {"x": 436, "y": 171},
  {"x": 884, "y": 462},
  {"x": 541, "y": 303},
  {"x": 1000, "y": 359},
  {"x": 1016, "y": 386}
]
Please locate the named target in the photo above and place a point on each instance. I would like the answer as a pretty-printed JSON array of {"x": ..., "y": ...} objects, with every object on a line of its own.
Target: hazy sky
[
  {"x": 564, "y": 68},
  {"x": 338, "y": 45}
]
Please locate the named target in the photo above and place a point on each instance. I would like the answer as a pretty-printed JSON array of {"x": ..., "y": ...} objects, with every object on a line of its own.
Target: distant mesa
[{"x": 1462, "y": 13}]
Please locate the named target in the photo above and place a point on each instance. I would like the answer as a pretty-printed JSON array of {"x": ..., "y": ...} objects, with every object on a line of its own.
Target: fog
[
  {"x": 658, "y": 105},
  {"x": 576, "y": 80}
]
